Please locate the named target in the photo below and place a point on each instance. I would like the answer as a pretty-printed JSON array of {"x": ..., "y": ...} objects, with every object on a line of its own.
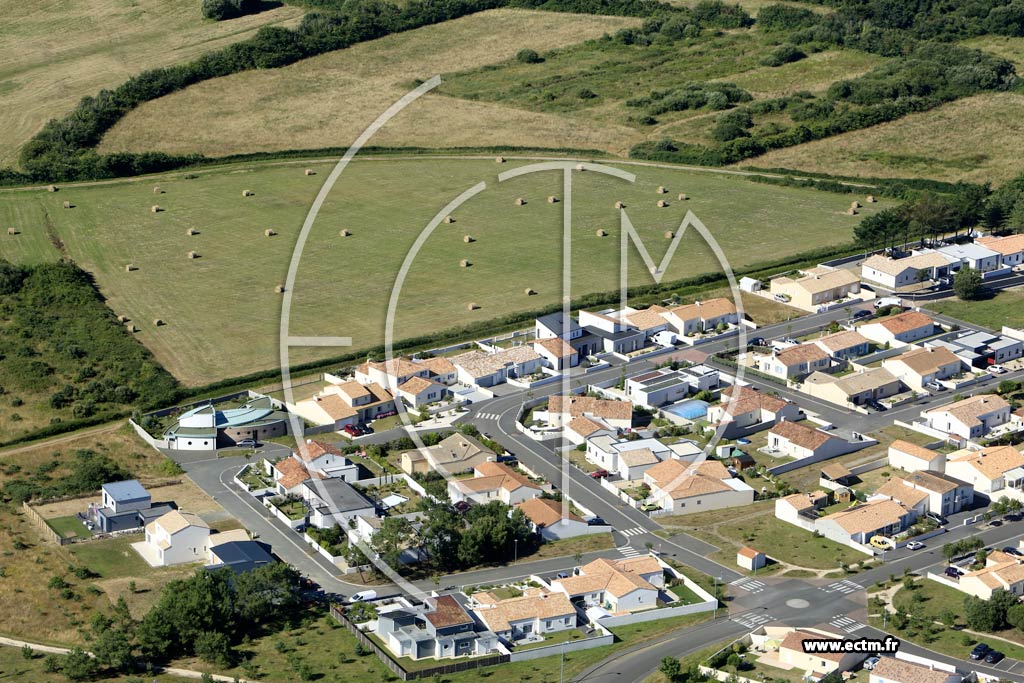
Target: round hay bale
[
  {"x": 310, "y": 171},
  {"x": 449, "y": 219},
  {"x": 529, "y": 291},
  {"x": 520, "y": 201},
  {"x": 193, "y": 254},
  {"x": 122, "y": 318},
  {"x": 131, "y": 328},
  {"x": 468, "y": 238},
  {"x": 870, "y": 199},
  {"x": 12, "y": 231},
  {"x": 67, "y": 205},
  {"x": 854, "y": 204},
  {"x": 157, "y": 190},
  {"x": 269, "y": 233},
  {"x": 279, "y": 289},
  {"x": 669, "y": 235},
  {"x": 472, "y": 306},
  {"x": 247, "y": 193},
  {"x": 499, "y": 160},
  {"x": 464, "y": 263},
  {"x": 130, "y": 267},
  {"x": 51, "y": 188},
  {"x": 620, "y": 205},
  {"x": 345, "y": 233},
  {"x": 851, "y": 211},
  {"x": 662, "y": 203},
  {"x": 683, "y": 197},
  {"x": 581, "y": 167},
  {"x": 191, "y": 231},
  {"x": 158, "y": 322},
  {"x": 662, "y": 189},
  {"x": 552, "y": 199},
  {"x": 155, "y": 209},
  {"x": 602, "y": 233}
]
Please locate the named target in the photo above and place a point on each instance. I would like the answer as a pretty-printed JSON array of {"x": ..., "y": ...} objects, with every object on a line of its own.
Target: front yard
[
  {"x": 253, "y": 477},
  {"x": 293, "y": 508},
  {"x": 69, "y": 526}
]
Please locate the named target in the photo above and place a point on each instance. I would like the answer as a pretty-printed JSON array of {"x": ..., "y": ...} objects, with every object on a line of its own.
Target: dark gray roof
[
  {"x": 553, "y": 322},
  {"x": 615, "y": 336},
  {"x": 243, "y": 556},
  {"x": 123, "y": 491},
  {"x": 337, "y": 494}
]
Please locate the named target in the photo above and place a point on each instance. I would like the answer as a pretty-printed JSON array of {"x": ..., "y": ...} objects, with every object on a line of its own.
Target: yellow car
[{"x": 882, "y": 542}]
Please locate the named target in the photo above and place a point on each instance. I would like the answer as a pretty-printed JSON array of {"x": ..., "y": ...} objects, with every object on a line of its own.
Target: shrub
[{"x": 527, "y": 56}]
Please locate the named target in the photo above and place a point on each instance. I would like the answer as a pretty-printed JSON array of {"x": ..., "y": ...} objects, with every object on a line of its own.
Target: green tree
[
  {"x": 671, "y": 669},
  {"x": 967, "y": 284},
  {"x": 213, "y": 647},
  {"x": 265, "y": 592},
  {"x": 78, "y": 665},
  {"x": 441, "y": 534},
  {"x": 393, "y": 537}
]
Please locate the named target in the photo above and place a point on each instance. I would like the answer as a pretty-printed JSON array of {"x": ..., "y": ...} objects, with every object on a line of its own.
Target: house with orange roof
[
  {"x": 798, "y": 440},
  {"x": 489, "y": 368},
  {"x": 557, "y": 353},
  {"x": 793, "y": 654},
  {"x": 1002, "y": 571},
  {"x": 439, "y": 369},
  {"x": 454, "y": 454},
  {"x": 994, "y": 472},
  {"x": 801, "y": 509},
  {"x": 547, "y": 520},
  {"x": 582, "y": 428},
  {"x": 919, "y": 367},
  {"x": 534, "y": 614},
  {"x": 745, "y": 410},
  {"x": 389, "y": 374},
  {"x": 816, "y": 287},
  {"x": 925, "y": 492},
  {"x": 970, "y": 418},
  {"x": 494, "y": 481},
  {"x": 899, "y": 330},
  {"x": 288, "y": 474},
  {"x": 619, "y": 586},
  {"x": 844, "y": 345},
  {"x": 562, "y": 409},
  {"x": 1010, "y": 248},
  {"x": 751, "y": 559},
  {"x": 702, "y": 316},
  {"x": 893, "y": 670},
  {"x": 882, "y": 517},
  {"x": 346, "y": 402},
  {"x": 793, "y": 363},
  {"x": 421, "y": 391},
  {"x": 911, "y": 457},
  {"x": 326, "y": 460},
  {"x": 683, "y": 487}
]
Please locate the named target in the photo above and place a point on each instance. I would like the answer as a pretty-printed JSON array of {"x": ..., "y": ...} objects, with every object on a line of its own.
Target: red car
[
  {"x": 351, "y": 430},
  {"x": 599, "y": 474}
]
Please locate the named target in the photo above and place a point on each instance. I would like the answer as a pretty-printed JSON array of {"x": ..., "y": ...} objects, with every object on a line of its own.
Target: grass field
[
  {"x": 1005, "y": 308},
  {"x": 963, "y": 140},
  {"x": 1001, "y": 46},
  {"x": 221, "y": 311},
  {"x": 815, "y": 73},
  {"x": 328, "y": 100},
  {"x": 54, "y": 52}
]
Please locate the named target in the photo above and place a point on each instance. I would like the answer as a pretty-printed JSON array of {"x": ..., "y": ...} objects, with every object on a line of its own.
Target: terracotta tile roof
[
  {"x": 929, "y": 481},
  {"x": 352, "y": 389},
  {"x": 970, "y": 410},
  {"x": 794, "y": 640},
  {"x": 905, "y": 322},
  {"x": 438, "y": 366},
  {"x": 639, "y": 456},
  {"x": 447, "y": 612},
  {"x": 927, "y": 360},
  {"x": 1007, "y": 246},
  {"x": 840, "y": 341},
  {"x": 993, "y": 462},
  {"x": 999, "y": 575},
  {"x": 805, "y": 501},
  {"x": 749, "y": 553},
  {"x": 493, "y": 476},
  {"x": 597, "y": 407},
  {"x": 395, "y": 368},
  {"x": 901, "y": 493},
  {"x": 336, "y": 407},
  {"x": 314, "y": 449},
  {"x": 416, "y": 385},
  {"x": 747, "y": 399},
  {"x": 704, "y": 310},
  {"x": 801, "y": 435},
  {"x": 556, "y": 346},
  {"x": 176, "y": 520},
  {"x": 836, "y": 470},
  {"x": 479, "y": 364},
  {"x": 617, "y": 578},
  {"x": 533, "y": 605},
  {"x": 818, "y": 280},
  {"x": 914, "y": 450},
  {"x": 804, "y": 353},
  {"x": 545, "y": 512},
  {"x": 454, "y": 449},
  {"x": 648, "y": 318},
  {"x": 292, "y": 472},
  {"x": 680, "y": 480},
  {"x": 902, "y": 671},
  {"x": 869, "y": 516},
  {"x": 890, "y": 266},
  {"x": 584, "y": 426}
]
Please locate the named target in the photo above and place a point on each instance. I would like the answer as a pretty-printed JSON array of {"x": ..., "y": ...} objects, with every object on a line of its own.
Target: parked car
[
  {"x": 599, "y": 474},
  {"x": 861, "y": 314},
  {"x": 875, "y": 405},
  {"x": 758, "y": 341},
  {"x": 351, "y": 430},
  {"x": 246, "y": 443},
  {"x": 935, "y": 386},
  {"x": 953, "y": 572},
  {"x": 596, "y": 521},
  {"x": 996, "y": 370},
  {"x": 363, "y": 596},
  {"x": 366, "y": 429},
  {"x": 915, "y": 545},
  {"x": 1010, "y": 550},
  {"x": 563, "y": 575},
  {"x": 461, "y": 506},
  {"x": 870, "y": 662},
  {"x": 882, "y": 542},
  {"x": 937, "y": 518},
  {"x": 979, "y": 651},
  {"x": 993, "y": 657}
]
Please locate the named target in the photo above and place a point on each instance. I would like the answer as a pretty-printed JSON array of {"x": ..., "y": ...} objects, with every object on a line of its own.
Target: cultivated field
[
  {"x": 221, "y": 310},
  {"x": 328, "y": 100},
  {"x": 54, "y": 52},
  {"x": 963, "y": 140}
]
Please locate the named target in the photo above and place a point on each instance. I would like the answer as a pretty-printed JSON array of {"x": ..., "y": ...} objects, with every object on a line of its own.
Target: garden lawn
[{"x": 69, "y": 527}]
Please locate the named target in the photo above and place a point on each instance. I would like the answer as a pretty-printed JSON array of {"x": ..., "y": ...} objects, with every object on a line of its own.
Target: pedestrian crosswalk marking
[
  {"x": 488, "y": 416},
  {"x": 847, "y": 624},
  {"x": 629, "y": 551},
  {"x": 845, "y": 587},
  {"x": 752, "y": 621},
  {"x": 749, "y": 584},
  {"x": 635, "y": 531}
]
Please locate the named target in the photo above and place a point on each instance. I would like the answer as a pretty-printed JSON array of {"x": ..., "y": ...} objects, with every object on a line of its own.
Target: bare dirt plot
[
  {"x": 54, "y": 52},
  {"x": 328, "y": 100}
]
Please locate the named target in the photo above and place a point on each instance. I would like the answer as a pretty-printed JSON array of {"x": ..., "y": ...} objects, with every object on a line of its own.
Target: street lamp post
[
  {"x": 715, "y": 616},
  {"x": 515, "y": 543}
]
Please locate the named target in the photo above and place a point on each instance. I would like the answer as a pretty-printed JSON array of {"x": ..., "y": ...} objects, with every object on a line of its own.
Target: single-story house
[
  {"x": 454, "y": 454},
  {"x": 546, "y": 518},
  {"x": 902, "y": 329},
  {"x": 682, "y": 487},
  {"x": 844, "y": 345},
  {"x": 797, "y": 440},
  {"x": 857, "y": 388},
  {"x": 882, "y": 517},
  {"x": 1002, "y": 571},
  {"x": 702, "y": 316},
  {"x": 1009, "y": 248},
  {"x": 489, "y": 369},
  {"x": 535, "y": 613},
  {"x": 659, "y": 387},
  {"x": 745, "y": 409},
  {"x": 792, "y": 653},
  {"x": 918, "y": 367},
  {"x": 794, "y": 362},
  {"x": 817, "y": 287},
  {"x": 892, "y": 670},
  {"x": 994, "y": 472},
  {"x": 237, "y": 552},
  {"x": 562, "y": 409},
  {"x": 910, "y": 457},
  {"x": 334, "y": 501},
  {"x": 917, "y": 268},
  {"x": 971, "y": 418},
  {"x": 494, "y": 481},
  {"x": 620, "y": 586},
  {"x": 975, "y": 256}
]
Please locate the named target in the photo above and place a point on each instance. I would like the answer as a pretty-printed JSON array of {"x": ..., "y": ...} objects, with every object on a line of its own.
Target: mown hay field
[
  {"x": 221, "y": 311},
  {"x": 327, "y": 101},
  {"x": 968, "y": 140},
  {"x": 54, "y": 52}
]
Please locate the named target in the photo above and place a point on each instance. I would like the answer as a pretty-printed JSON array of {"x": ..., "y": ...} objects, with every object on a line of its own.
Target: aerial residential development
[{"x": 622, "y": 340}]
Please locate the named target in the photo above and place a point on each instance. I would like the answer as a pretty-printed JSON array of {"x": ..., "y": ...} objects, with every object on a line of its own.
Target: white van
[{"x": 362, "y": 596}]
